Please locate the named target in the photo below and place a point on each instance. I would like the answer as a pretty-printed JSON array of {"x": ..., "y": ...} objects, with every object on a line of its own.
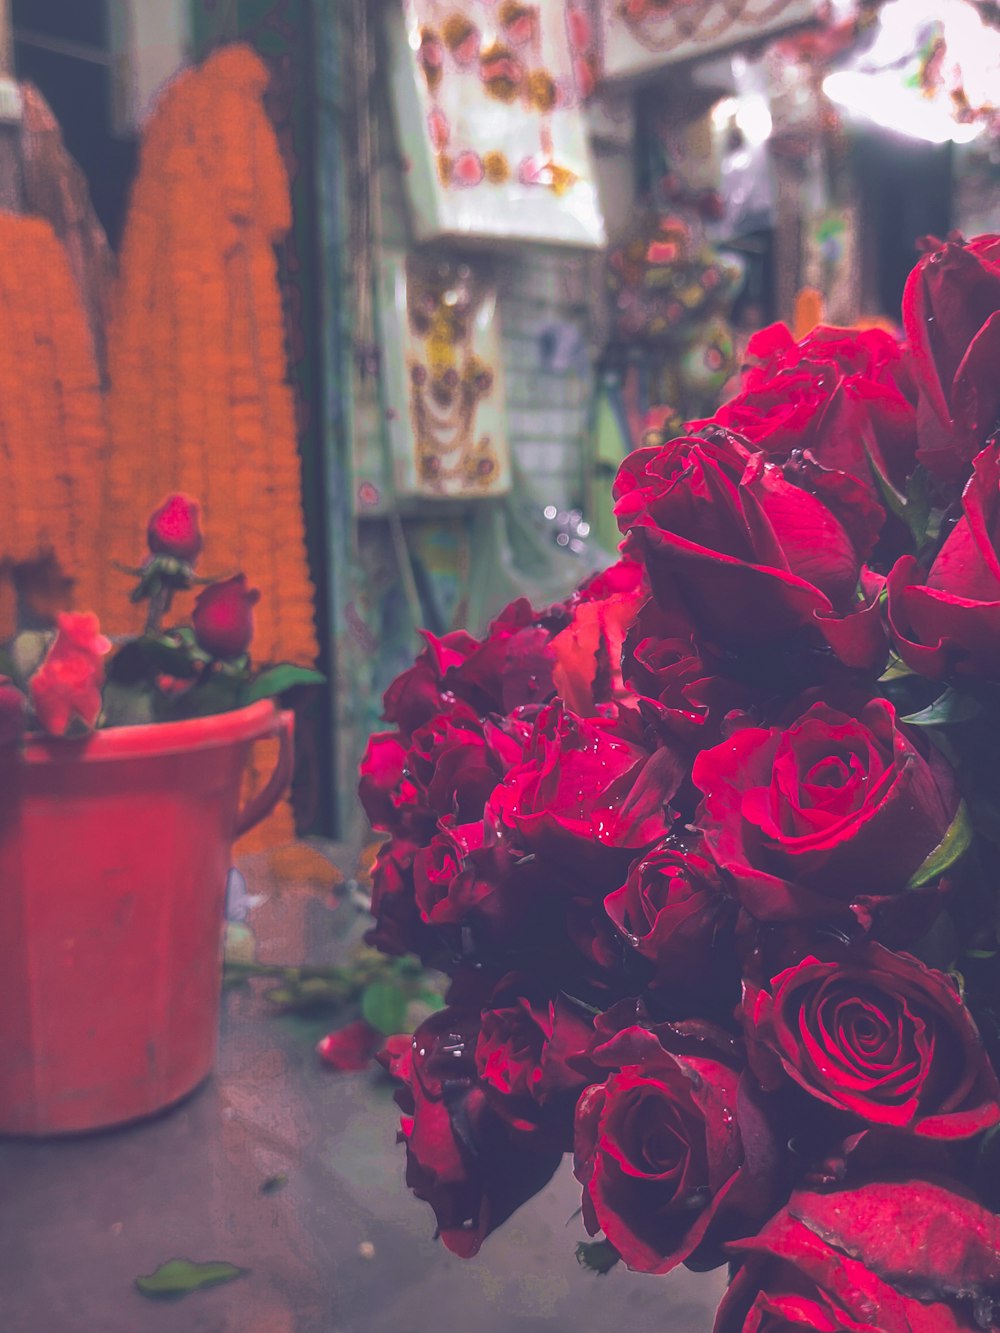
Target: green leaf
[
  {"x": 896, "y": 670},
  {"x": 127, "y": 705},
  {"x": 384, "y": 1007},
  {"x": 914, "y": 508},
  {"x": 241, "y": 945},
  {"x": 278, "y": 679},
  {"x": 955, "y": 843},
  {"x": 947, "y": 709},
  {"x": 167, "y": 658},
  {"x": 179, "y": 1277},
  {"x": 895, "y": 502},
  {"x": 27, "y": 652},
  {"x": 599, "y": 1256},
  {"x": 310, "y": 993},
  {"x": 212, "y": 694},
  {"x": 918, "y": 504}
]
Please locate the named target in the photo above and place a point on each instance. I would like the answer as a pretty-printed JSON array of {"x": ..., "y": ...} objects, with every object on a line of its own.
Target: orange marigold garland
[
  {"x": 199, "y": 395},
  {"x": 52, "y": 423}
]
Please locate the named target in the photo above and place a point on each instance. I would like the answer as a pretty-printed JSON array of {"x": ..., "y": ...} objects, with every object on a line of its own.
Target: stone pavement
[{"x": 341, "y": 1247}]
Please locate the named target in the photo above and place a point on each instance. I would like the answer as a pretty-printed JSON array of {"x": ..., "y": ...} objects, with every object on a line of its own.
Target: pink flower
[
  {"x": 467, "y": 169},
  {"x": 68, "y": 683}
]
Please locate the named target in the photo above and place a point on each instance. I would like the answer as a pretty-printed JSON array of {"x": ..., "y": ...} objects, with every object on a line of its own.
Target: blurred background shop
[{"x": 510, "y": 230}]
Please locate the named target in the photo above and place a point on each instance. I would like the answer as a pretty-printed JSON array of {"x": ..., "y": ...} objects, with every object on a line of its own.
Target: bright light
[
  {"x": 882, "y": 99},
  {"x": 754, "y": 119},
  {"x": 723, "y": 112},
  {"x": 883, "y": 85},
  {"x": 749, "y": 112}
]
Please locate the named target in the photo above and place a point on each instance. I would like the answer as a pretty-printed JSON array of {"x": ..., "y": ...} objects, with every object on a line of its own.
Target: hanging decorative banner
[
  {"x": 487, "y": 100},
  {"x": 440, "y": 336},
  {"x": 637, "y": 36}
]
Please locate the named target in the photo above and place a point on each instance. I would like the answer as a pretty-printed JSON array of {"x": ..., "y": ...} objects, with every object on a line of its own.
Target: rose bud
[
  {"x": 951, "y": 313},
  {"x": 174, "y": 530},
  {"x": 223, "y": 617},
  {"x": 949, "y": 622},
  {"x": 13, "y": 710}
]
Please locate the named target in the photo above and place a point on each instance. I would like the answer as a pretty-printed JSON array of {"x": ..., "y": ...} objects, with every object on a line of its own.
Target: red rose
[
  {"x": 658, "y": 1146},
  {"x": 451, "y": 875},
  {"x": 68, "y": 683},
  {"x": 471, "y": 1165},
  {"x": 624, "y": 579},
  {"x": 383, "y": 789},
  {"x": 950, "y": 622},
  {"x": 878, "y": 1035},
  {"x": 586, "y": 791},
  {"x": 672, "y": 909},
  {"x": 398, "y": 928},
  {"x": 512, "y": 667},
  {"x": 588, "y": 652},
  {"x": 951, "y": 314},
  {"x": 174, "y": 529},
  {"x": 13, "y": 712},
  {"x": 750, "y": 556},
  {"x": 663, "y": 662},
  {"x": 830, "y": 813},
  {"x": 526, "y": 1041},
  {"x": 835, "y": 394},
  {"x": 454, "y": 766},
  {"x": 417, "y": 694},
  {"x": 884, "y": 1258},
  {"x": 222, "y": 618}
]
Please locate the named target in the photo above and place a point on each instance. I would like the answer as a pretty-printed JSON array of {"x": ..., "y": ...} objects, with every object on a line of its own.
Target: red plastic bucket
[{"x": 114, "y": 854}]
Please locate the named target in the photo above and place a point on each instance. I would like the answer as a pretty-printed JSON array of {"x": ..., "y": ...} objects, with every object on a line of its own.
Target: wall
[{"x": 547, "y": 361}]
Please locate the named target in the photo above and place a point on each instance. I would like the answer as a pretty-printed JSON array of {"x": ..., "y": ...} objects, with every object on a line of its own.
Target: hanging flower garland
[{"x": 52, "y": 394}]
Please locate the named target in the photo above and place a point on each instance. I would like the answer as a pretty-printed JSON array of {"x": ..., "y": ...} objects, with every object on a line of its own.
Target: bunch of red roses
[
  {"x": 711, "y": 851},
  {"x": 73, "y": 680}
]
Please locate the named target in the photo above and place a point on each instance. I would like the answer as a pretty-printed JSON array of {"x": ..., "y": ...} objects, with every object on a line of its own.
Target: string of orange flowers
[
  {"x": 199, "y": 399},
  {"x": 52, "y": 423}
]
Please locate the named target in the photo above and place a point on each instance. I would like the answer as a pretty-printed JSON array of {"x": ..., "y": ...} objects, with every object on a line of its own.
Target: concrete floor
[{"x": 341, "y": 1248}]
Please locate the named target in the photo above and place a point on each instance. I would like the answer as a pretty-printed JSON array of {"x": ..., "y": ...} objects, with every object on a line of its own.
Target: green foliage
[
  {"x": 598, "y": 1256},
  {"x": 392, "y": 994},
  {"x": 955, "y": 843},
  {"x": 179, "y": 1277},
  {"x": 276, "y": 680},
  {"x": 948, "y": 709},
  {"x": 383, "y": 1005}
]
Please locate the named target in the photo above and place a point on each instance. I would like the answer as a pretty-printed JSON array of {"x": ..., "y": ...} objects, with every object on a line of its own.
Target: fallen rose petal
[{"x": 350, "y": 1049}]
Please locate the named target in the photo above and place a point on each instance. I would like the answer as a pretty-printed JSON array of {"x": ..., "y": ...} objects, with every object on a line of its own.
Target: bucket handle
[{"x": 263, "y": 802}]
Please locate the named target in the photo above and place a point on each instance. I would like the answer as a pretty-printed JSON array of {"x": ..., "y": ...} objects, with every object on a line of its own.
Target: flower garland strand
[
  {"x": 199, "y": 399},
  {"x": 52, "y": 393}
]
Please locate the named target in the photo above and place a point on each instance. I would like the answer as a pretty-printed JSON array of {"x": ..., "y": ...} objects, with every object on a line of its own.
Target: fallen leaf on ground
[{"x": 179, "y": 1277}]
